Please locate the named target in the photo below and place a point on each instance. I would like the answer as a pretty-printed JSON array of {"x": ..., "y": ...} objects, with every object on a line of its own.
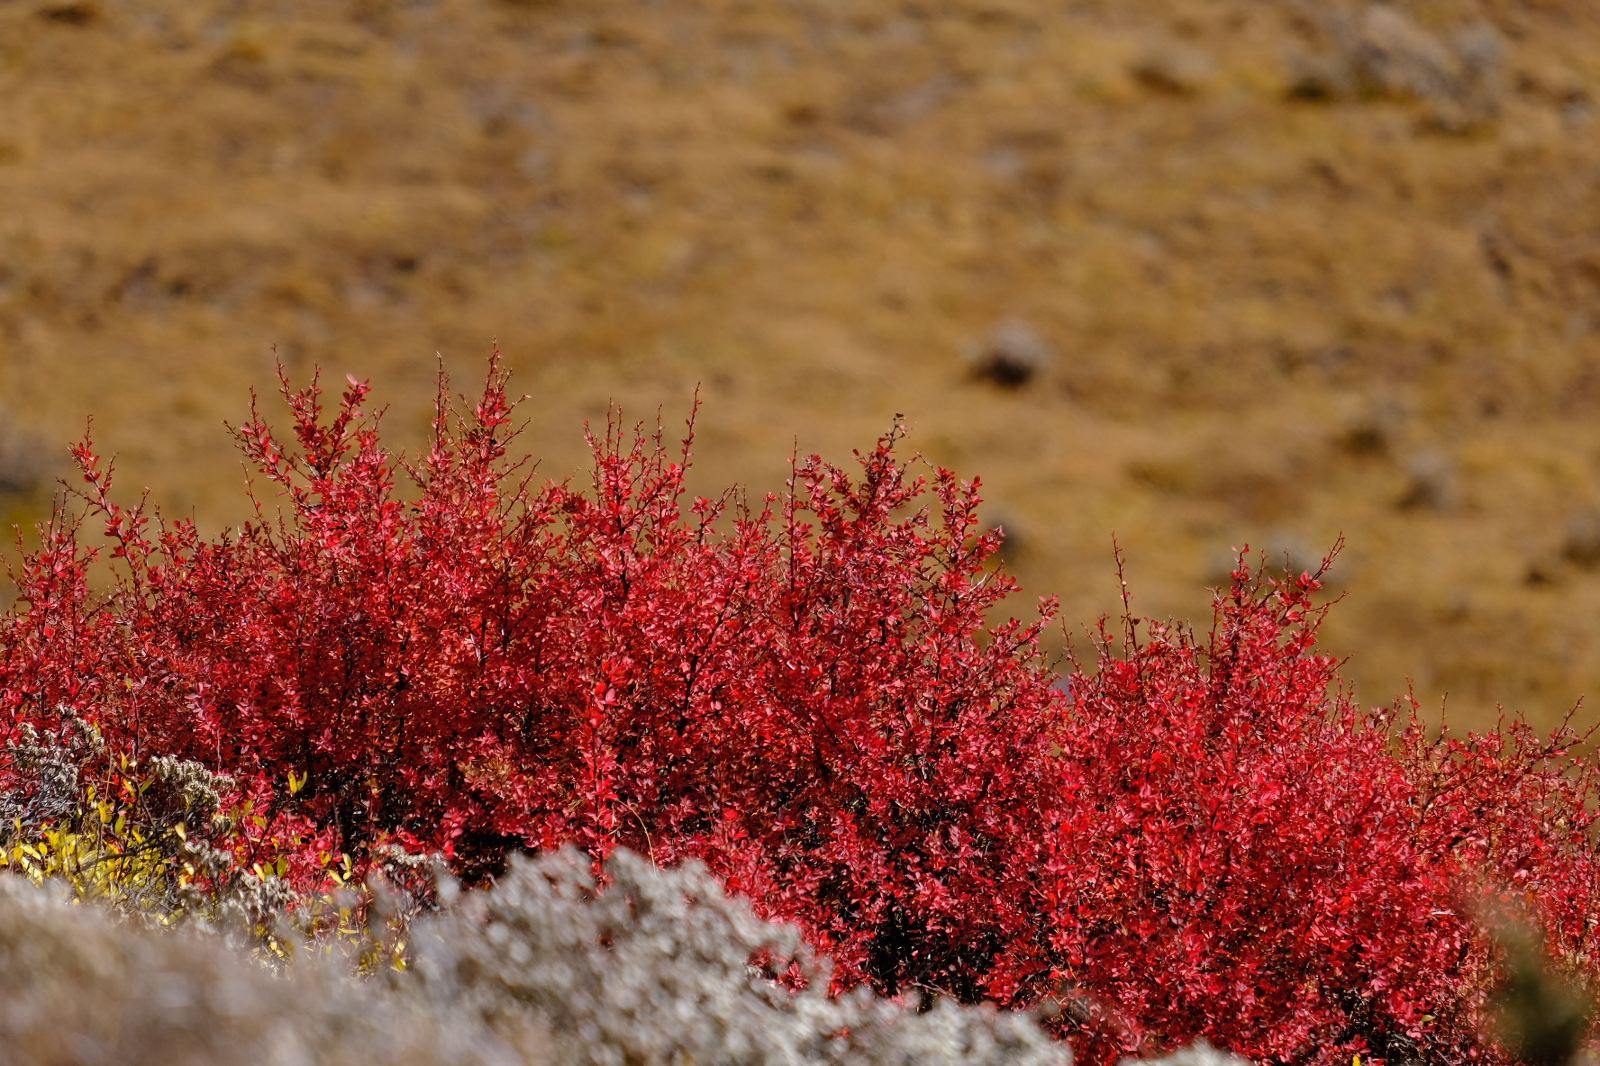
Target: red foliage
[
  {"x": 1242, "y": 838},
  {"x": 1204, "y": 839}
]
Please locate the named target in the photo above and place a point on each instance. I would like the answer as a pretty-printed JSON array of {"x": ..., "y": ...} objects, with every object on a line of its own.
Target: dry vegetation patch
[{"x": 1240, "y": 225}]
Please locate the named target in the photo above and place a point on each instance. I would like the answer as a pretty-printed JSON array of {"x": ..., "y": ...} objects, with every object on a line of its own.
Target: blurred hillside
[{"x": 1195, "y": 272}]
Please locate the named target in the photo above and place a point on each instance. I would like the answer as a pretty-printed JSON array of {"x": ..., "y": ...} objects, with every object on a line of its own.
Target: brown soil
[{"x": 1305, "y": 269}]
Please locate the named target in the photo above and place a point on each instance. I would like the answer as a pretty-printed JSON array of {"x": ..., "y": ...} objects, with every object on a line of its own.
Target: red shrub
[
  {"x": 1203, "y": 840},
  {"x": 1238, "y": 837},
  {"x": 804, "y": 694},
  {"x": 1248, "y": 856}
]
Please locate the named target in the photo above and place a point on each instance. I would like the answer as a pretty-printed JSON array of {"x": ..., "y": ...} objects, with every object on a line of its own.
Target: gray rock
[
  {"x": 1383, "y": 53},
  {"x": 23, "y": 465},
  {"x": 1433, "y": 482},
  {"x": 654, "y": 968},
  {"x": 1582, "y": 544},
  {"x": 1173, "y": 67},
  {"x": 1013, "y": 354}
]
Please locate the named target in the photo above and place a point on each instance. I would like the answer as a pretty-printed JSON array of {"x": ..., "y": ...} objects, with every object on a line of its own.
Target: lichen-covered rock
[
  {"x": 79, "y": 987},
  {"x": 655, "y": 968}
]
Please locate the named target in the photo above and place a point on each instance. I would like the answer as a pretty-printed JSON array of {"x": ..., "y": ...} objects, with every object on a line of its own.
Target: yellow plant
[{"x": 149, "y": 854}]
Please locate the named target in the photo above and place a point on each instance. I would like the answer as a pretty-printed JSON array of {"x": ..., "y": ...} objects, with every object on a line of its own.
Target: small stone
[
  {"x": 1432, "y": 482},
  {"x": 1173, "y": 67},
  {"x": 1013, "y": 354},
  {"x": 1371, "y": 430},
  {"x": 1012, "y": 540},
  {"x": 1582, "y": 546},
  {"x": 1383, "y": 53},
  {"x": 23, "y": 466},
  {"x": 1541, "y": 573}
]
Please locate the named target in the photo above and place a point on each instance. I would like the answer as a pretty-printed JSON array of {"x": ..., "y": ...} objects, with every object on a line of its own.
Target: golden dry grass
[{"x": 1273, "y": 315}]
